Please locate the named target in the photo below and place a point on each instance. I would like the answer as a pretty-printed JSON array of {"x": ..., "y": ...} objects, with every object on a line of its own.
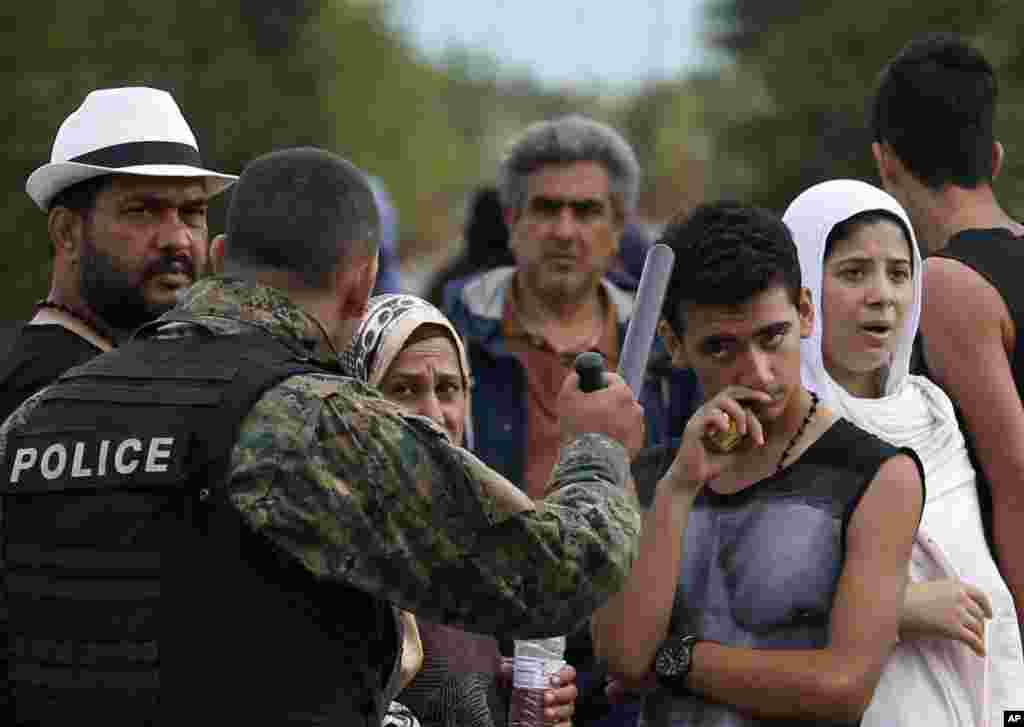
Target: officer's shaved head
[{"x": 301, "y": 211}]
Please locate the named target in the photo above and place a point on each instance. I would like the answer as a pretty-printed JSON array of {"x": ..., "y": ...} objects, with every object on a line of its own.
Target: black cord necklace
[
  {"x": 800, "y": 431},
  {"x": 90, "y": 321}
]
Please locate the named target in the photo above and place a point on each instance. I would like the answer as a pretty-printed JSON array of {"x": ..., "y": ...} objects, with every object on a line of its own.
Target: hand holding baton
[{"x": 636, "y": 349}]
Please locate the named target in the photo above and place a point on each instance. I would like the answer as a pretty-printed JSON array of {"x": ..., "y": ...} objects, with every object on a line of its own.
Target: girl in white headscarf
[{"x": 859, "y": 259}]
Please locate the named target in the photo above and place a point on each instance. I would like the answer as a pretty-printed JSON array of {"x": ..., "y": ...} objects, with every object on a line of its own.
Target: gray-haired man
[{"x": 567, "y": 187}]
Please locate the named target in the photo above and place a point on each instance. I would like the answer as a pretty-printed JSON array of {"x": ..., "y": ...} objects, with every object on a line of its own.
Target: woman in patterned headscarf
[{"x": 407, "y": 348}]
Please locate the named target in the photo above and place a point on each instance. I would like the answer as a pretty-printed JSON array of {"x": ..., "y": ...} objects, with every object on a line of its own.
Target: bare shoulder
[
  {"x": 965, "y": 324},
  {"x": 894, "y": 497},
  {"x": 900, "y": 471},
  {"x": 957, "y": 294}
]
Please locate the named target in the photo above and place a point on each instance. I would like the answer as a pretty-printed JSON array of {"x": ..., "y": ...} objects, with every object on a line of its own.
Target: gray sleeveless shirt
[{"x": 760, "y": 567}]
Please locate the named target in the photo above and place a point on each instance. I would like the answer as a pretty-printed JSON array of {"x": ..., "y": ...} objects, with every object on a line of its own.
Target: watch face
[{"x": 673, "y": 658}]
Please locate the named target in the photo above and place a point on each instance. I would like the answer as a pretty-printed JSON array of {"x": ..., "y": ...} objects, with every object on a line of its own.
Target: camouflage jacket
[{"x": 359, "y": 492}]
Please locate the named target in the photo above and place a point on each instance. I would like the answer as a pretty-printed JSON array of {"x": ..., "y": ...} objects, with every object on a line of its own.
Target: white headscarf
[
  {"x": 912, "y": 411},
  {"x": 938, "y": 681}
]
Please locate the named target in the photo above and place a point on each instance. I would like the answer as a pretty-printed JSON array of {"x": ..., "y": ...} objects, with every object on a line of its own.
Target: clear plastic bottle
[{"x": 536, "y": 660}]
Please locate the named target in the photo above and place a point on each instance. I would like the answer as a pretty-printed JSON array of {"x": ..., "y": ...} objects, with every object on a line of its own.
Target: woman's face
[
  {"x": 426, "y": 379},
  {"x": 867, "y": 291}
]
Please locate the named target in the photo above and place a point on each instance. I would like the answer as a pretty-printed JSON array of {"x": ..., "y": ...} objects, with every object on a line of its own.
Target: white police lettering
[
  {"x": 77, "y": 470},
  {"x": 52, "y": 470},
  {"x": 155, "y": 452},
  {"x": 24, "y": 459},
  {"x": 123, "y": 467},
  {"x": 104, "y": 448},
  {"x": 89, "y": 459}
]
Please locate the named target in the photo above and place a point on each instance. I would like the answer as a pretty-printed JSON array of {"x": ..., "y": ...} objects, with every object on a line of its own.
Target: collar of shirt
[
  {"x": 517, "y": 333},
  {"x": 266, "y": 307}
]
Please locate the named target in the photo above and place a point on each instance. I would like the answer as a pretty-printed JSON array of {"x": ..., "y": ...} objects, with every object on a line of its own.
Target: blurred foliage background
[{"x": 784, "y": 106}]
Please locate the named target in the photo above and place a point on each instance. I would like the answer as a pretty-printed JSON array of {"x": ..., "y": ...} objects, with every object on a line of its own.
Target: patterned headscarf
[{"x": 389, "y": 322}]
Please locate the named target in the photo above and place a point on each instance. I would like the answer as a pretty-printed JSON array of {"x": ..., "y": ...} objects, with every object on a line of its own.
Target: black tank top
[
  {"x": 760, "y": 567},
  {"x": 998, "y": 256}
]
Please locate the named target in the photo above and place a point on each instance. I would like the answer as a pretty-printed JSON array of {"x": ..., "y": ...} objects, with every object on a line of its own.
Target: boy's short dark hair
[
  {"x": 935, "y": 105},
  {"x": 726, "y": 253}
]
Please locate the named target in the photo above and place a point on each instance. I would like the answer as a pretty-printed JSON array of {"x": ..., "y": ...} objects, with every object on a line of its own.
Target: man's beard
[{"x": 116, "y": 295}]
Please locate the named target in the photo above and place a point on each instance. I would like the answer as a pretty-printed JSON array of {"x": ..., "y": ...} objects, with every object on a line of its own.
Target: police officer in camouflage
[{"x": 210, "y": 525}]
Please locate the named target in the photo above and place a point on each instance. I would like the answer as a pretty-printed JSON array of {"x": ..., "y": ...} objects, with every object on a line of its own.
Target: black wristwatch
[{"x": 672, "y": 662}]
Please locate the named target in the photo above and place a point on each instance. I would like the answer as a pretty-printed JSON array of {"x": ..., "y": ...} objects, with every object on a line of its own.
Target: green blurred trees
[
  {"x": 663, "y": 125},
  {"x": 785, "y": 110},
  {"x": 801, "y": 79},
  {"x": 253, "y": 75},
  {"x": 221, "y": 60}
]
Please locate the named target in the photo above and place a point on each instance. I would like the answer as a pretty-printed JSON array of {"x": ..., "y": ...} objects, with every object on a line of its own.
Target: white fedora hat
[{"x": 134, "y": 130}]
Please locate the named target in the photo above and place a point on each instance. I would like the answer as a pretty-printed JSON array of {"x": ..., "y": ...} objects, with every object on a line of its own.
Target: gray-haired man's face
[{"x": 567, "y": 231}]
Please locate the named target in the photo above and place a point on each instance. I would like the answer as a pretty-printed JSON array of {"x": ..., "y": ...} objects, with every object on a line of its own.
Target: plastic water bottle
[{"x": 536, "y": 660}]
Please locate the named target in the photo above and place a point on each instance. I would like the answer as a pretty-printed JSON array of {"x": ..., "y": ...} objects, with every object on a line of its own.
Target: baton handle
[{"x": 590, "y": 367}]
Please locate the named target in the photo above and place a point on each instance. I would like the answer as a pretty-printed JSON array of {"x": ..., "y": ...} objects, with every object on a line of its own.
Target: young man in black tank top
[
  {"x": 936, "y": 152},
  {"x": 770, "y": 578}
]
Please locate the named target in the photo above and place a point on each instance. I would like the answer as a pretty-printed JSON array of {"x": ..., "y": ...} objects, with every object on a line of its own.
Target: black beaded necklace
[
  {"x": 90, "y": 321},
  {"x": 800, "y": 431}
]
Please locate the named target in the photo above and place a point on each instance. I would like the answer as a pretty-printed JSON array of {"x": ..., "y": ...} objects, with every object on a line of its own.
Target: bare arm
[
  {"x": 836, "y": 682},
  {"x": 628, "y": 629},
  {"x": 966, "y": 331}
]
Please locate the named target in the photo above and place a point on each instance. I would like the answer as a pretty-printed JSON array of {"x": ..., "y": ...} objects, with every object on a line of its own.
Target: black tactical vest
[{"x": 136, "y": 593}]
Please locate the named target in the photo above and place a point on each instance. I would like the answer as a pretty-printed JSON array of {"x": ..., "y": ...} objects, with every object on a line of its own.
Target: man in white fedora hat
[{"x": 126, "y": 196}]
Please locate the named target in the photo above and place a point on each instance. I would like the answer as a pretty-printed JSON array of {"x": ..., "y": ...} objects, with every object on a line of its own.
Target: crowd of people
[{"x": 250, "y": 480}]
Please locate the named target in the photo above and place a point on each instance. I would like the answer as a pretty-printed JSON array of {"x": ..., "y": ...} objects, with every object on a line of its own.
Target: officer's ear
[{"x": 355, "y": 283}]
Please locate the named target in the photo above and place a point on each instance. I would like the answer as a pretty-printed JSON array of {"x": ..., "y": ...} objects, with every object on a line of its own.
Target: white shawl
[{"x": 912, "y": 412}]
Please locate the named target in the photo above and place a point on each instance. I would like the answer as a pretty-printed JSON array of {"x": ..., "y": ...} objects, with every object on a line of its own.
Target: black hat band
[{"x": 138, "y": 153}]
